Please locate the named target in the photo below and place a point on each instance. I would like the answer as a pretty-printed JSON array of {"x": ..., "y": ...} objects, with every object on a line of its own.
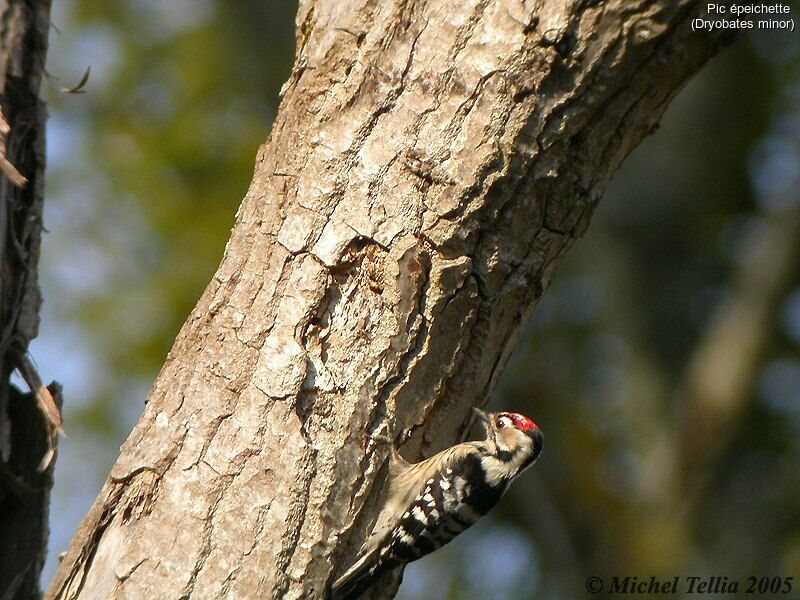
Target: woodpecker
[{"x": 431, "y": 502}]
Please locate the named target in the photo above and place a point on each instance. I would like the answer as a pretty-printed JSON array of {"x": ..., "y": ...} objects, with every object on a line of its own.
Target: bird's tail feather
[{"x": 358, "y": 578}]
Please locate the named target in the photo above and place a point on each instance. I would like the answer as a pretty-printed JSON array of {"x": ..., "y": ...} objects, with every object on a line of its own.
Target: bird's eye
[{"x": 501, "y": 423}]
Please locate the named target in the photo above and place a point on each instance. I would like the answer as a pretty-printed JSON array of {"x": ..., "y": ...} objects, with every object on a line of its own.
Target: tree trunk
[
  {"x": 430, "y": 164},
  {"x": 25, "y": 437}
]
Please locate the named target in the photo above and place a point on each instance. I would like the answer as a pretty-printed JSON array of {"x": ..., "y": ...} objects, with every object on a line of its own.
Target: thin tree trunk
[
  {"x": 430, "y": 164},
  {"x": 721, "y": 372},
  {"x": 25, "y": 438}
]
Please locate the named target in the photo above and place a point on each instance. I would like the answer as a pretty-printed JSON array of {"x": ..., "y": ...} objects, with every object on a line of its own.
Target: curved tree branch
[{"x": 430, "y": 164}]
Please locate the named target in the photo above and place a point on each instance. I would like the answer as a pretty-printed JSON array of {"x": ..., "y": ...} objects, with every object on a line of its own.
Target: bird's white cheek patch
[{"x": 495, "y": 471}]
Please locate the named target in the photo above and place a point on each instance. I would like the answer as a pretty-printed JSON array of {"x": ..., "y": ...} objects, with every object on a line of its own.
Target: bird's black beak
[
  {"x": 482, "y": 415},
  {"x": 487, "y": 423}
]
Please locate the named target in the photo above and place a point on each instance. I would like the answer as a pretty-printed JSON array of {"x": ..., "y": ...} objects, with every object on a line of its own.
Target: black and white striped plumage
[{"x": 431, "y": 502}]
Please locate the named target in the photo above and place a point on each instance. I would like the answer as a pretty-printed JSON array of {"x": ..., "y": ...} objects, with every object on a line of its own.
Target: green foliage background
[{"x": 147, "y": 168}]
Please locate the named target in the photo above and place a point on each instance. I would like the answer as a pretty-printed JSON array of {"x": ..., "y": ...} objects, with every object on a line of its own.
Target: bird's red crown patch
[{"x": 522, "y": 422}]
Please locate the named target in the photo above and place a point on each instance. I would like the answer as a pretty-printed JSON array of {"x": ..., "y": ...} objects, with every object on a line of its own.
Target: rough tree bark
[
  {"x": 25, "y": 438},
  {"x": 430, "y": 164}
]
